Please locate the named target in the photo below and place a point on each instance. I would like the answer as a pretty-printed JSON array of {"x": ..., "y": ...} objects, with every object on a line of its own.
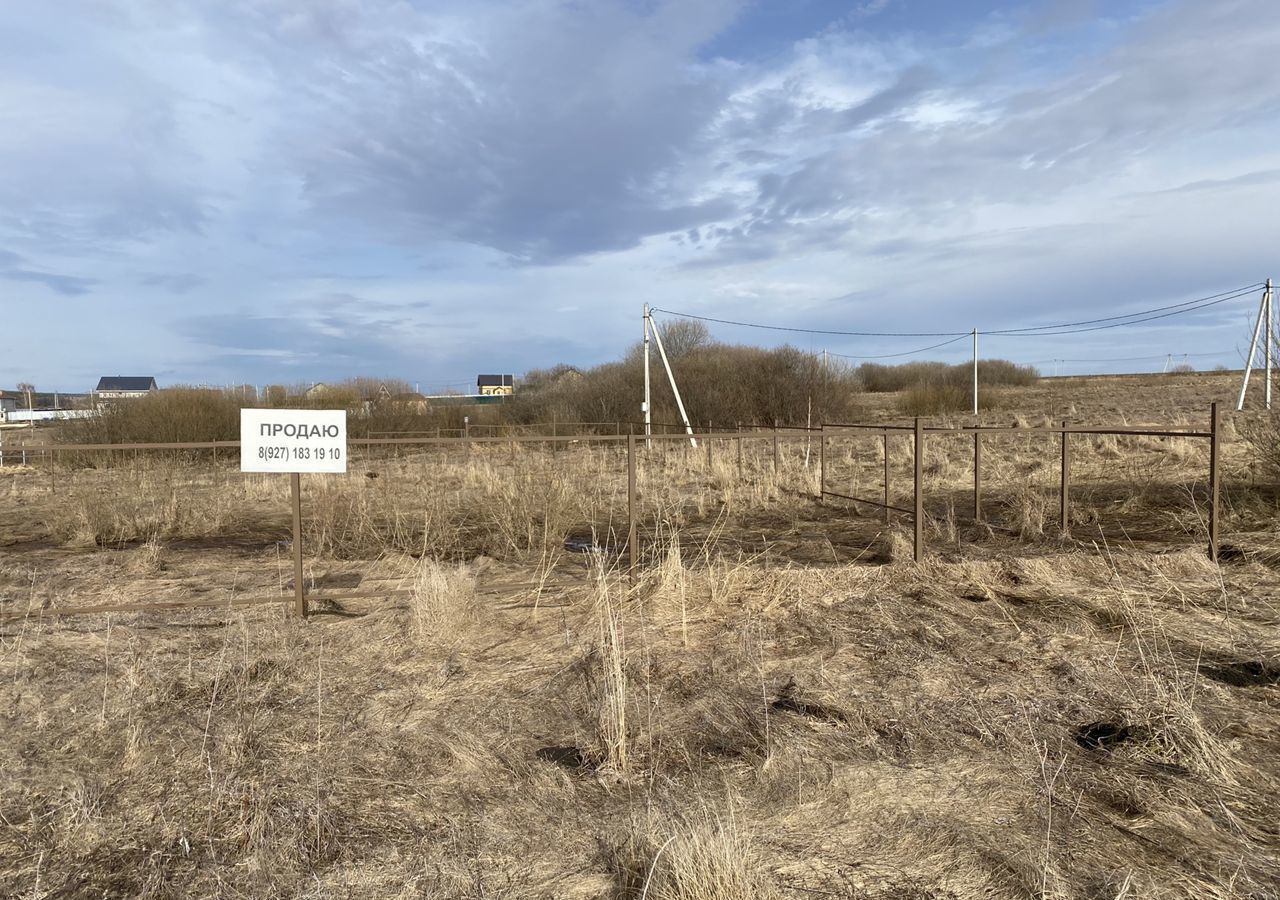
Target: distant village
[{"x": 25, "y": 404}]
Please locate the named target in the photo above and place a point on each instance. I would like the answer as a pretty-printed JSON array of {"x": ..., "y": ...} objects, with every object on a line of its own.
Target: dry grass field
[{"x": 781, "y": 703}]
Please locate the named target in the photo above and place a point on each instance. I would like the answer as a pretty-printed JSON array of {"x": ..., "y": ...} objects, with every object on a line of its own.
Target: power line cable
[
  {"x": 1234, "y": 294},
  {"x": 1057, "y": 329},
  {"x": 955, "y": 334},
  {"x": 907, "y": 353},
  {"x": 1038, "y": 362},
  {"x": 1069, "y": 330}
]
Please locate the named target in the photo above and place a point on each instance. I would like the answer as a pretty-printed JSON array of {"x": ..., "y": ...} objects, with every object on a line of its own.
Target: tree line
[{"x": 722, "y": 385}]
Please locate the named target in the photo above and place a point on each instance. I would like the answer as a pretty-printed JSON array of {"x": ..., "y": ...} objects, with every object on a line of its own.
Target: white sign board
[{"x": 293, "y": 440}]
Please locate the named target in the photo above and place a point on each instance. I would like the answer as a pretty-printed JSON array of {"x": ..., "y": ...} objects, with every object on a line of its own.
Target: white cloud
[{"x": 214, "y": 166}]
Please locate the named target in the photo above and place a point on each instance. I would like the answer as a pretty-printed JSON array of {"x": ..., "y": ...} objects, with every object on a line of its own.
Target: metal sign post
[{"x": 294, "y": 441}]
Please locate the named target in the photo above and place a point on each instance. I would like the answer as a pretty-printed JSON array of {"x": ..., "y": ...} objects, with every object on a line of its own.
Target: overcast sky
[{"x": 298, "y": 190}]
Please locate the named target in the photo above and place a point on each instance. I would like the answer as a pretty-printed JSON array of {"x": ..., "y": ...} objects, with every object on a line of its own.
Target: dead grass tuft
[
  {"x": 443, "y": 598},
  {"x": 706, "y": 858}
]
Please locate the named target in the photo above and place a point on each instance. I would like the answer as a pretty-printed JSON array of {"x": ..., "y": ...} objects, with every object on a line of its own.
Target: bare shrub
[
  {"x": 173, "y": 415},
  {"x": 721, "y": 384},
  {"x": 878, "y": 378},
  {"x": 935, "y": 399},
  {"x": 1262, "y": 434}
]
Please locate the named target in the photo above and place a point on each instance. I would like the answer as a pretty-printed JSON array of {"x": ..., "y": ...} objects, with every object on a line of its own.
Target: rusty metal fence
[
  {"x": 919, "y": 430},
  {"x": 775, "y": 435}
]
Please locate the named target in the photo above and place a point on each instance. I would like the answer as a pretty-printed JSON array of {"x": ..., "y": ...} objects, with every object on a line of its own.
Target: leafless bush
[
  {"x": 878, "y": 378},
  {"x": 721, "y": 384},
  {"x": 174, "y": 415},
  {"x": 1262, "y": 434},
  {"x": 934, "y": 399}
]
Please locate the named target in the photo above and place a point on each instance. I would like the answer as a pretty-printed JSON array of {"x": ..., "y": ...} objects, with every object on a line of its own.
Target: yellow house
[{"x": 499, "y": 385}]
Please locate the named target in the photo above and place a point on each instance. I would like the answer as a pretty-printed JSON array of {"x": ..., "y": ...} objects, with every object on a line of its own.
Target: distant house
[
  {"x": 122, "y": 387},
  {"x": 411, "y": 402},
  {"x": 495, "y": 385},
  {"x": 565, "y": 375},
  {"x": 8, "y": 403},
  {"x": 318, "y": 390}
]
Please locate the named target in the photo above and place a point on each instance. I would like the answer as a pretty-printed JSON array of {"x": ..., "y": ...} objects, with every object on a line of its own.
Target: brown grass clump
[
  {"x": 707, "y": 858},
  {"x": 140, "y": 503},
  {"x": 611, "y": 675},
  {"x": 148, "y": 559},
  {"x": 442, "y": 598}
]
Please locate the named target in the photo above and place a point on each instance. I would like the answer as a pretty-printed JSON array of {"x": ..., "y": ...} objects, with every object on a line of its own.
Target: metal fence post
[
  {"x": 775, "y": 445},
  {"x": 739, "y": 442},
  {"x": 709, "y": 430},
  {"x": 299, "y": 595},
  {"x": 919, "y": 506},
  {"x": 1214, "y": 475},
  {"x": 977, "y": 477},
  {"x": 888, "y": 513},
  {"x": 1064, "y": 501},
  {"x": 822, "y": 462},
  {"x": 631, "y": 503}
]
